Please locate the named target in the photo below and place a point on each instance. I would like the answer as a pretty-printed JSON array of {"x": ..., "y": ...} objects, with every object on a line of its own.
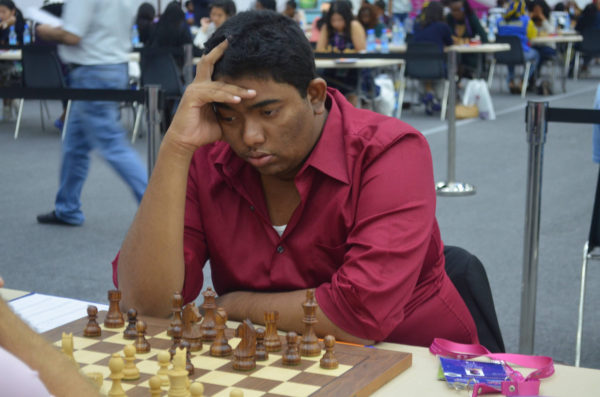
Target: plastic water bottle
[
  {"x": 371, "y": 41},
  {"x": 398, "y": 33},
  {"x": 135, "y": 37},
  {"x": 26, "y": 35},
  {"x": 567, "y": 22},
  {"x": 12, "y": 36},
  {"x": 385, "y": 44},
  {"x": 491, "y": 34},
  {"x": 484, "y": 19}
]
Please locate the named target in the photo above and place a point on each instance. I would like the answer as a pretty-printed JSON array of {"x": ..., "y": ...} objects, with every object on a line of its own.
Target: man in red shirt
[{"x": 285, "y": 186}]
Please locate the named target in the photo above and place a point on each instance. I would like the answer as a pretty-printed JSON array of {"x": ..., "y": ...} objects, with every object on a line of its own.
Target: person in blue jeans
[
  {"x": 94, "y": 43},
  {"x": 516, "y": 22}
]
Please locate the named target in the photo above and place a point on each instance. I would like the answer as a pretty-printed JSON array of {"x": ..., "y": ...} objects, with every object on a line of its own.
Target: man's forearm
[
  {"x": 151, "y": 265},
  {"x": 58, "y": 35},
  {"x": 57, "y": 372},
  {"x": 240, "y": 305}
]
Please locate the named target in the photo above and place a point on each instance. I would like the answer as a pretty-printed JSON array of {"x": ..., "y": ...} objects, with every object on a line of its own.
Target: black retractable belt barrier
[{"x": 537, "y": 116}]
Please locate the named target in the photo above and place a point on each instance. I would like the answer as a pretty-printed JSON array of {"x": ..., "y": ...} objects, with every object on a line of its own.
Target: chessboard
[{"x": 361, "y": 370}]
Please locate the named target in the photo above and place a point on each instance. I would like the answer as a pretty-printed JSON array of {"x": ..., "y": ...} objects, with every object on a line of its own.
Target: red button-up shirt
[{"x": 364, "y": 234}]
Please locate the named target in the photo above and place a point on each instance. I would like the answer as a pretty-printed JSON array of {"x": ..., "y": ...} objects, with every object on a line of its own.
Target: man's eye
[
  {"x": 226, "y": 119},
  {"x": 269, "y": 112}
]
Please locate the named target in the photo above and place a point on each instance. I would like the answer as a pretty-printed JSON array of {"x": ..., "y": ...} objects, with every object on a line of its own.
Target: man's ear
[{"x": 317, "y": 93}]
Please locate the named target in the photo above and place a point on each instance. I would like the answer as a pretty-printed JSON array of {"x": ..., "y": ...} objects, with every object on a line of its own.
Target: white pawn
[
  {"x": 236, "y": 393},
  {"x": 164, "y": 359},
  {"x": 155, "y": 382},
  {"x": 67, "y": 346},
  {"x": 178, "y": 376},
  {"x": 116, "y": 374},
  {"x": 130, "y": 371},
  {"x": 196, "y": 389}
]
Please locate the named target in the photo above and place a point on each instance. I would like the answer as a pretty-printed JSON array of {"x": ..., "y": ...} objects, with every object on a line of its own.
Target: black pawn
[
  {"x": 131, "y": 332},
  {"x": 261, "y": 353},
  {"x": 177, "y": 334}
]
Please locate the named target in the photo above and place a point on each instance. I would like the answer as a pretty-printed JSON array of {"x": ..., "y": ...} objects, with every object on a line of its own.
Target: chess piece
[
  {"x": 208, "y": 323},
  {"x": 261, "y": 351},
  {"x": 309, "y": 346},
  {"x": 155, "y": 384},
  {"x": 116, "y": 374},
  {"x": 178, "y": 378},
  {"x": 131, "y": 332},
  {"x": 220, "y": 346},
  {"x": 236, "y": 393},
  {"x": 141, "y": 344},
  {"x": 97, "y": 378},
  {"x": 329, "y": 361},
  {"x": 114, "y": 317},
  {"x": 272, "y": 341},
  {"x": 92, "y": 328},
  {"x": 191, "y": 330},
  {"x": 67, "y": 347},
  {"x": 176, "y": 304},
  {"x": 130, "y": 371},
  {"x": 243, "y": 355},
  {"x": 196, "y": 389},
  {"x": 164, "y": 359},
  {"x": 185, "y": 345},
  {"x": 176, "y": 337},
  {"x": 291, "y": 355}
]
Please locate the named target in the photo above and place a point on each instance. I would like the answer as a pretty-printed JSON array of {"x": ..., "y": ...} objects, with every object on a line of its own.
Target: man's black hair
[
  {"x": 264, "y": 45},
  {"x": 228, "y": 6},
  {"x": 291, "y": 4}
]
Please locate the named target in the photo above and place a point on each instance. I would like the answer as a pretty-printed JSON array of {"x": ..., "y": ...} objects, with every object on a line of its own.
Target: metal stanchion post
[
  {"x": 153, "y": 104},
  {"x": 450, "y": 187},
  {"x": 188, "y": 64},
  {"x": 537, "y": 128}
]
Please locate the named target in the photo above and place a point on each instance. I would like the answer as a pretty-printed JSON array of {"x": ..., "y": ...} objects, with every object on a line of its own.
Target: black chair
[
  {"x": 470, "y": 279},
  {"x": 513, "y": 57},
  {"x": 41, "y": 69},
  {"x": 590, "y": 251},
  {"x": 426, "y": 61},
  {"x": 158, "y": 67},
  {"x": 590, "y": 46}
]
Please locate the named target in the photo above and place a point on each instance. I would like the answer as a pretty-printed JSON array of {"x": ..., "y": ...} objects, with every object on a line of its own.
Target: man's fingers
[
  {"x": 219, "y": 92},
  {"x": 207, "y": 62},
  {"x": 1, "y": 282}
]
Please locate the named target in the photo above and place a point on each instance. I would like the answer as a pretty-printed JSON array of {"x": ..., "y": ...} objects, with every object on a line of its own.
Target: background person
[
  {"x": 342, "y": 33},
  {"x": 10, "y": 16},
  {"x": 368, "y": 18},
  {"x": 145, "y": 22},
  {"x": 220, "y": 11},
  {"x": 95, "y": 43}
]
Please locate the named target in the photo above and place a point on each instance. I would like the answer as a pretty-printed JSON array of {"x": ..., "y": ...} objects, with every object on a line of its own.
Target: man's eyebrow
[{"x": 260, "y": 104}]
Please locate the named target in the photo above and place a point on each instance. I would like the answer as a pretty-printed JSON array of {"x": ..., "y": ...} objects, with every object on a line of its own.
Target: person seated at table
[
  {"x": 291, "y": 11},
  {"x": 432, "y": 29},
  {"x": 465, "y": 27},
  {"x": 144, "y": 20},
  {"x": 317, "y": 23},
  {"x": 32, "y": 367},
  {"x": 189, "y": 13},
  {"x": 380, "y": 12},
  {"x": 171, "y": 31},
  {"x": 516, "y": 22},
  {"x": 286, "y": 186},
  {"x": 344, "y": 34},
  {"x": 220, "y": 11},
  {"x": 539, "y": 12},
  {"x": 588, "y": 20},
  {"x": 367, "y": 16},
  {"x": 10, "y": 17}
]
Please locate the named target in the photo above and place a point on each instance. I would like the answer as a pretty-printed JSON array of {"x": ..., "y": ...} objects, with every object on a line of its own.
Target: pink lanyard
[{"x": 517, "y": 384}]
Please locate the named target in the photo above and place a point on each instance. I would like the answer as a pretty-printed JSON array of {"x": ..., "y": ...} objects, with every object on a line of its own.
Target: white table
[
  {"x": 568, "y": 38},
  {"x": 450, "y": 187}
]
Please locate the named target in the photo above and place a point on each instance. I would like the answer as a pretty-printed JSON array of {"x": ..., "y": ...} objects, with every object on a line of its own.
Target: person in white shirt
[{"x": 220, "y": 11}]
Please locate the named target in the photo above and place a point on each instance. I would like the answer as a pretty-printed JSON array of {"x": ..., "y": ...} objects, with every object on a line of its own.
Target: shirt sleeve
[
  {"x": 77, "y": 16},
  {"x": 18, "y": 379},
  {"x": 194, "y": 243},
  {"x": 389, "y": 241}
]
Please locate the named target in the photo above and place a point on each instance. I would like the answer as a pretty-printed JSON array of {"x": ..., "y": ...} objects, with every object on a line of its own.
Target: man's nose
[{"x": 253, "y": 134}]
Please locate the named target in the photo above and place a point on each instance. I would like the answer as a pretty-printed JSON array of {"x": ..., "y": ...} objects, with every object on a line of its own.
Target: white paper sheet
[{"x": 45, "y": 312}]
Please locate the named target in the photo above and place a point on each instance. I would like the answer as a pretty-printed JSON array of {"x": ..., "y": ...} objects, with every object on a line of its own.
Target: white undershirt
[{"x": 280, "y": 229}]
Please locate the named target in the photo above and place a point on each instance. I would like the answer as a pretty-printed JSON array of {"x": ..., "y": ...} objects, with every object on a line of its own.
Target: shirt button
[
  {"x": 280, "y": 249},
  {"x": 252, "y": 208}
]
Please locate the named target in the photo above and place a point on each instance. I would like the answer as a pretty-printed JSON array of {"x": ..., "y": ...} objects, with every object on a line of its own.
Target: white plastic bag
[
  {"x": 384, "y": 102},
  {"x": 477, "y": 93}
]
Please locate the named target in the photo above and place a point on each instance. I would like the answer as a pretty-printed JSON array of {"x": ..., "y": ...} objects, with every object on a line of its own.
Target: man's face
[
  {"x": 275, "y": 131},
  {"x": 217, "y": 16},
  {"x": 5, "y": 13}
]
